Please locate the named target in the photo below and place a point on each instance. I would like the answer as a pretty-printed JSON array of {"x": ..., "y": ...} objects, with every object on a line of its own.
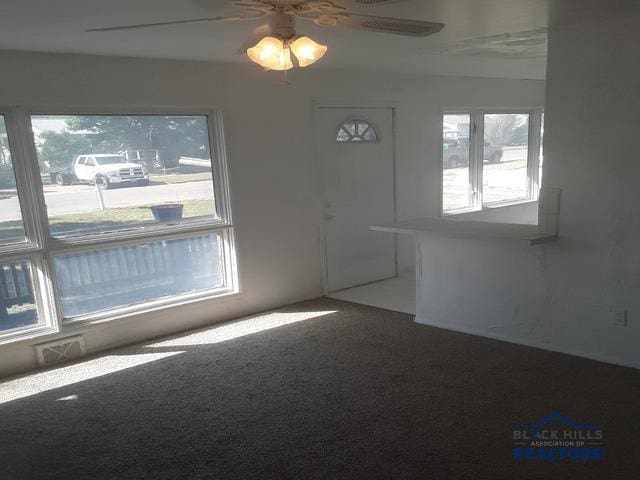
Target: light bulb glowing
[
  {"x": 271, "y": 53},
  {"x": 307, "y": 51}
]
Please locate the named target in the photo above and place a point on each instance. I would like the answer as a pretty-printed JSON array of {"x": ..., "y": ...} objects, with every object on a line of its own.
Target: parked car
[
  {"x": 456, "y": 152},
  {"x": 61, "y": 176},
  {"x": 104, "y": 170},
  {"x": 492, "y": 153}
]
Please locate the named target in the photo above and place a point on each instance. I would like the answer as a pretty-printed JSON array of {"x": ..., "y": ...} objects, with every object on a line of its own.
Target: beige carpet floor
[{"x": 318, "y": 390}]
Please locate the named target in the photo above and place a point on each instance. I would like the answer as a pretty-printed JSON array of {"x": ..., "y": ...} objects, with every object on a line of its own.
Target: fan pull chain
[{"x": 286, "y": 72}]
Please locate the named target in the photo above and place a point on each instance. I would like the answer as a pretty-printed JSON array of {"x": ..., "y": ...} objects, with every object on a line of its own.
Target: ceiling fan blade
[
  {"x": 397, "y": 26},
  {"x": 175, "y": 22},
  {"x": 373, "y": 3}
]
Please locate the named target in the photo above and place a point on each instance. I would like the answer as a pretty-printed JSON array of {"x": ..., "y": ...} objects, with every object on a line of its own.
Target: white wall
[
  {"x": 558, "y": 296},
  {"x": 269, "y": 133}
]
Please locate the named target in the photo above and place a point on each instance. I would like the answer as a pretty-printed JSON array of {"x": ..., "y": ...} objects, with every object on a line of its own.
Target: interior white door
[{"x": 358, "y": 184}]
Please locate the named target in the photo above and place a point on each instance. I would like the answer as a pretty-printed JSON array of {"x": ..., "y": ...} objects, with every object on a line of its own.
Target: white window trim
[
  {"x": 350, "y": 141},
  {"x": 40, "y": 247},
  {"x": 476, "y": 160}
]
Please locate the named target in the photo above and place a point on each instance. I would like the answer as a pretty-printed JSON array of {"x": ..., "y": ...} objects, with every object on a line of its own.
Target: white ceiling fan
[{"x": 278, "y": 38}]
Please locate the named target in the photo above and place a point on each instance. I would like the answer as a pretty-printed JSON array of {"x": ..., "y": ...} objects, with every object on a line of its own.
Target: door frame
[{"x": 348, "y": 105}]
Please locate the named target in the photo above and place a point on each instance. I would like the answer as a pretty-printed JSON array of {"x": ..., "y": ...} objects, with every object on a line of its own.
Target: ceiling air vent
[{"x": 60, "y": 351}]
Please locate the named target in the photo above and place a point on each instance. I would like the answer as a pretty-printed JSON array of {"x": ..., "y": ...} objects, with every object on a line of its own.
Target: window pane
[
  {"x": 455, "y": 156},
  {"x": 357, "y": 131},
  {"x": 17, "y": 302},
  {"x": 11, "y": 228},
  {"x": 506, "y": 149},
  {"x": 98, "y": 280},
  {"x": 106, "y": 173},
  {"x": 541, "y": 151}
]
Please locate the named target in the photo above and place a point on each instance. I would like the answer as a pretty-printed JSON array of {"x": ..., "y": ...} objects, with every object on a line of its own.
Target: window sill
[
  {"x": 509, "y": 203},
  {"x": 489, "y": 206},
  {"x": 149, "y": 232},
  {"x": 147, "y": 307},
  {"x": 461, "y": 211},
  {"x": 82, "y": 324},
  {"x": 27, "y": 334}
]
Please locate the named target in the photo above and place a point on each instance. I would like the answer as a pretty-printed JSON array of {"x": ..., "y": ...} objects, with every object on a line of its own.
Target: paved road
[{"x": 62, "y": 200}]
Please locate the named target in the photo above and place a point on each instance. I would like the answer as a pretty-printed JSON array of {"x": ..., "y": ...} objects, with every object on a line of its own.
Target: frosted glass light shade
[
  {"x": 271, "y": 53},
  {"x": 307, "y": 51}
]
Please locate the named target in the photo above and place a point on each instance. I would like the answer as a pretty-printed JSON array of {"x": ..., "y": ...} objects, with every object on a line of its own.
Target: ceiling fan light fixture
[
  {"x": 271, "y": 53},
  {"x": 307, "y": 51}
]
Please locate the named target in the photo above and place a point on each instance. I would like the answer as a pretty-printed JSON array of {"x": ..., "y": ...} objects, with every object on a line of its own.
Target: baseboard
[{"x": 529, "y": 343}]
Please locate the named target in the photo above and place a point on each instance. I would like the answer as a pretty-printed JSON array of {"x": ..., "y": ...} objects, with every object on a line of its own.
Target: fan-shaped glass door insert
[{"x": 357, "y": 131}]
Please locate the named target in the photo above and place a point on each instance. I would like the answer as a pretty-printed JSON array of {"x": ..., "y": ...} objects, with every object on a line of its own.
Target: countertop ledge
[{"x": 469, "y": 229}]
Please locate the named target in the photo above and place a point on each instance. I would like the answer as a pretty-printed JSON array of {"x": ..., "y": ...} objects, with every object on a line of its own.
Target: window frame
[
  {"x": 48, "y": 321},
  {"x": 228, "y": 287},
  {"x": 41, "y": 246},
  {"x": 24, "y": 176},
  {"x": 32, "y": 248},
  {"x": 356, "y": 121},
  {"x": 476, "y": 158}
]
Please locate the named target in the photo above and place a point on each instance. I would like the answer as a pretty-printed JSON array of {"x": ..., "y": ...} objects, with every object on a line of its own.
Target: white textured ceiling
[{"x": 495, "y": 38}]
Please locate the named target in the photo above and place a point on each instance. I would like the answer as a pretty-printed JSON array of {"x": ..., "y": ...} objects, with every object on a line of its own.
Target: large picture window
[
  {"x": 109, "y": 173},
  {"x": 490, "y": 159},
  {"x": 109, "y": 214},
  {"x": 98, "y": 280}
]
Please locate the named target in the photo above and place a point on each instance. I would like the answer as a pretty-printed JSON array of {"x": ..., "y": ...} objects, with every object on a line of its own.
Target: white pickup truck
[{"x": 107, "y": 170}]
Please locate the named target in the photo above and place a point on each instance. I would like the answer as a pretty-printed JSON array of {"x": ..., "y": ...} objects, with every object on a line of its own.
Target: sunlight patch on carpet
[
  {"x": 72, "y": 374},
  {"x": 240, "y": 328}
]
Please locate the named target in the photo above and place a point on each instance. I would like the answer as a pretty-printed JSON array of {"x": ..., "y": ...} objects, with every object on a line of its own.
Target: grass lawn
[{"x": 107, "y": 219}]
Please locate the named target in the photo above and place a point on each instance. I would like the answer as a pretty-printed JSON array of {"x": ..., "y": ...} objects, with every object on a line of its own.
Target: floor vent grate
[{"x": 59, "y": 351}]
